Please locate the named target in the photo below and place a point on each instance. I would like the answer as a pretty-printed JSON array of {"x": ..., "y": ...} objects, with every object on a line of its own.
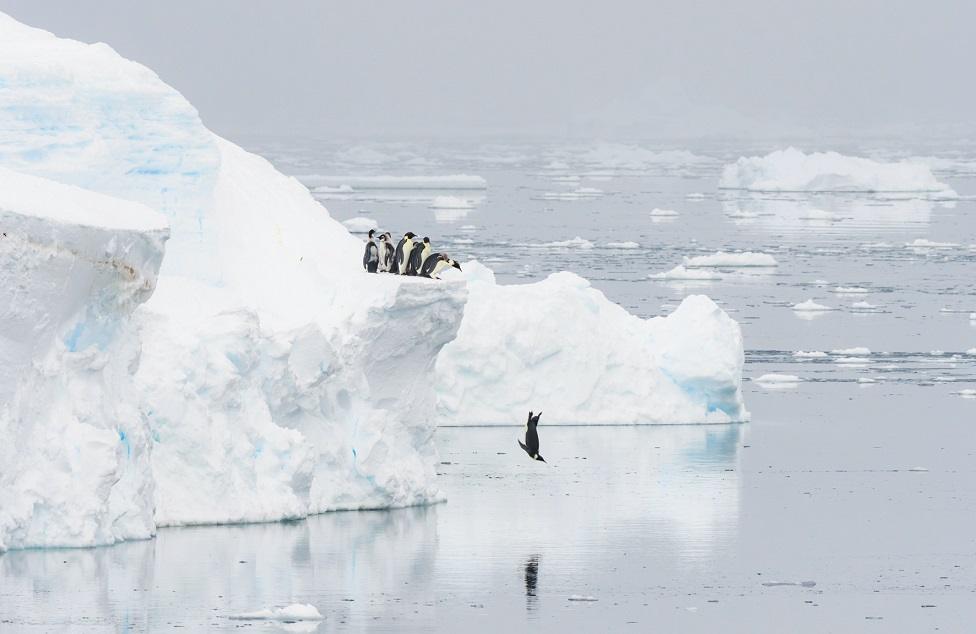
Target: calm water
[{"x": 847, "y": 504}]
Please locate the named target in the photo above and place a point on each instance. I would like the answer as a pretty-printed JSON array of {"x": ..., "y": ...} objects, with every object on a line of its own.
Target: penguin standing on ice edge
[
  {"x": 531, "y": 444},
  {"x": 402, "y": 255},
  {"x": 419, "y": 254},
  {"x": 371, "y": 257},
  {"x": 387, "y": 251}
]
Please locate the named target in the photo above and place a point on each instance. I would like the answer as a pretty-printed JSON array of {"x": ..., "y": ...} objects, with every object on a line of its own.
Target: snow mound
[
  {"x": 681, "y": 273},
  {"x": 445, "y": 182},
  {"x": 811, "y": 306},
  {"x": 603, "y": 365},
  {"x": 451, "y": 202},
  {"x": 731, "y": 260},
  {"x": 360, "y": 224},
  {"x": 791, "y": 170},
  {"x": 293, "y": 612}
]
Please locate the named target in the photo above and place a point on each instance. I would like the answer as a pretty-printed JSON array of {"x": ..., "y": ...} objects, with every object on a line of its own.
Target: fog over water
[{"x": 620, "y": 69}]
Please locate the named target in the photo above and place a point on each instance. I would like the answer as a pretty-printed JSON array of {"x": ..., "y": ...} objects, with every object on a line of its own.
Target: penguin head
[
  {"x": 426, "y": 240},
  {"x": 539, "y": 458},
  {"x": 370, "y": 234},
  {"x": 453, "y": 263},
  {"x": 382, "y": 237},
  {"x": 409, "y": 235}
]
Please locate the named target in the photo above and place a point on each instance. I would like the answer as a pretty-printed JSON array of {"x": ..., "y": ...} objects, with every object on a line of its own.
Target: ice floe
[
  {"x": 360, "y": 224},
  {"x": 731, "y": 260}
]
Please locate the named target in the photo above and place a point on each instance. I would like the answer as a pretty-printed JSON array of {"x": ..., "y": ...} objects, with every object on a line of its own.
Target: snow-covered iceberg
[
  {"x": 268, "y": 378},
  {"x": 791, "y": 170},
  {"x": 562, "y": 347},
  {"x": 248, "y": 369}
]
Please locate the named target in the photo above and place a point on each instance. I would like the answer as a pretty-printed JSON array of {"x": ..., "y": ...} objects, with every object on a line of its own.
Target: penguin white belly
[{"x": 405, "y": 260}]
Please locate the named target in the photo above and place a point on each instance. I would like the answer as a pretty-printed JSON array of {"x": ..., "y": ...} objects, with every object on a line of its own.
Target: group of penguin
[{"x": 409, "y": 257}]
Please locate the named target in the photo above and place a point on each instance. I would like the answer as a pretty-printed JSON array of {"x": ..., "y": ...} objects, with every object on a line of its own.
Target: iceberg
[
  {"x": 188, "y": 336},
  {"x": 791, "y": 170},
  {"x": 561, "y": 346}
]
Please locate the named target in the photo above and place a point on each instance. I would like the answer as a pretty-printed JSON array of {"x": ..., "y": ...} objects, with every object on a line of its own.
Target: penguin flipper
[{"x": 522, "y": 445}]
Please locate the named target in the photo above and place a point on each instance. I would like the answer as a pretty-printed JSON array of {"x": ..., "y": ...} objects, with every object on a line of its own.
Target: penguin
[
  {"x": 435, "y": 263},
  {"x": 531, "y": 445},
  {"x": 417, "y": 257},
  {"x": 387, "y": 251},
  {"x": 371, "y": 256},
  {"x": 402, "y": 256}
]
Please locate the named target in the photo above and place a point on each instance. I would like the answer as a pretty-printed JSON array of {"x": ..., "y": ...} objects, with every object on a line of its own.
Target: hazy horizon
[{"x": 623, "y": 70}]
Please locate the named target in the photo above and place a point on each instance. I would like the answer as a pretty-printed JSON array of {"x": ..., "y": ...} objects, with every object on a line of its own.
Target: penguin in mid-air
[
  {"x": 387, "y": 251},
  {"x": 402, "y": 256},
  {"x": 531, "y": 445},
  {"x": 435, "y": 263},
  {"x": 417, "y": 257},
  {"x": 371, "y": 257}
]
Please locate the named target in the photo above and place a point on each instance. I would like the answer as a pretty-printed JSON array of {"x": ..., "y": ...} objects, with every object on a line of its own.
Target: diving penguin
[
  {"x": 531, "y": 445},
  {"x": 371, "y": 256},
  {"x": 387, "y": 251},
  {"x": 435, "y": 263},
  {"x": 402, "y": 256},
  {"x": 418, "y": 256}
]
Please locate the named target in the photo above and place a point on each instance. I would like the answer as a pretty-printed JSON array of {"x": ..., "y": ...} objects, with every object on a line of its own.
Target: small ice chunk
[
  {"x": 863, "y": 306},
  {"x": 451, "y": 202},
  {"x": 778, "y": 380},
  {"x": 695, "y": 196},
  {"x": 293, "y": 612},
  {"x": 623, "y": 245},
  {"x": 578, "y": 242},
  {"x": 820, "y": 282},
  {"x": 681, "y": 273},
  {"x": 811, "y": 354},
  {"x": 859, "y": 350},
  {"x": 811, "y": 306},
  {"x": 922, "y": 243},
  {"x": 919, "y": 469},
  {"x": 967, "y": 393},
  {"x": 731, "y": 260},
  {"x": 850, "y": 290},
  {"x": 663, "y": 213},
  {"x": 582, "y": 597},
  {"x": 865, "y": 380},
  {"x": 360, "y": 224},
  {"x": 971, "y": 351}
]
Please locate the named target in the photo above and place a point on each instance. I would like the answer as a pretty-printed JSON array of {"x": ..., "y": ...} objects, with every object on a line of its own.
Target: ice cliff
[{"x": 247, "y": 369}]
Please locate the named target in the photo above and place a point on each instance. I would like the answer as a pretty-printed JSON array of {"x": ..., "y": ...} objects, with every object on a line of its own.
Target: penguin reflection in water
[{"x": 531, "y": 444}]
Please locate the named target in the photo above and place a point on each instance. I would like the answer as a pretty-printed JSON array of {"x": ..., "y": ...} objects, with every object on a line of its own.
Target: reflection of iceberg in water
[
  {"x": 828, "y": 212},
  {"x": 184, "y": 574}
]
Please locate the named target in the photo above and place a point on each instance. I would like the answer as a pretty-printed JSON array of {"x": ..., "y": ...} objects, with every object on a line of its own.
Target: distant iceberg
[{"x": 791, "y": 170}]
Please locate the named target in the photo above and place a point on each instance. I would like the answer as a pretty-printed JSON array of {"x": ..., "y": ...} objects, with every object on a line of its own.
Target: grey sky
[{"x": 547, "y": 68}]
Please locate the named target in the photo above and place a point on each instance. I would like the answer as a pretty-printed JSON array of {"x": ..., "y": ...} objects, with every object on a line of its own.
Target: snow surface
[
  {"x": 731, "y": 260},
  {"x": 246, "y": 373},
  {"x": 791, "y": 170},
  {"x": 602, "y": 365}
]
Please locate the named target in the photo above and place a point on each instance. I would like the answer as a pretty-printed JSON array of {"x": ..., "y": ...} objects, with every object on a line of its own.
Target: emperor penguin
[
  {"x": 531, "y": 444},
  {"x": 386, "y": 253},
  {"x": 435, "y": 263},
  {"x": 420, "y": 253},
  {"x": 371, "y": 256},
  {"x": 402, "y": 256}
]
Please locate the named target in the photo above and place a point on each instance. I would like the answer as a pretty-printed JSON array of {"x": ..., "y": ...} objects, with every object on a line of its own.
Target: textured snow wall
[
  {"x": 791, "y": 170},
  {"x": 74, "y": 452},
  {"x": 562, "y": 347}
]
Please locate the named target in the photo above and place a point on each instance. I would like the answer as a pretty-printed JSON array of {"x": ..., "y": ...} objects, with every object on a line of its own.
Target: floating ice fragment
[
  {"x": 812, "y": 354},
  {"x": 663, "y": 213},
  {"x": 859, "y": 350},
  {"x": 922, "y": 243},
  {"x": 731, "y": 260},
  {"x": 623, "y": 245},
  {"x": 360, "y": 224},
  {"x": 582, "y": 597},
  {"x": 850, "y": 290},
  {"x": 293, "y": 612},
  {"x": 681, "y": 273},
  {"x": 811, "y": 306}
]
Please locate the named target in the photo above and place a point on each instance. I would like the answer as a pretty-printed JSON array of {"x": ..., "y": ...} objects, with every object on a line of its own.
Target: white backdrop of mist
[{"x": 555, "y": 69}]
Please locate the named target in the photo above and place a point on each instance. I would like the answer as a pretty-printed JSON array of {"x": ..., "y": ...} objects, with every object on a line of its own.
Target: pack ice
[
  {"x": 247, "y": 369},
  {"x": 791, "y": 170}
]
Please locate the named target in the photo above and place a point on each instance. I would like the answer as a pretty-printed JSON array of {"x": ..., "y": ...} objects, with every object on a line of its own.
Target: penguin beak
[
  {"x": 456, "y": 265},
  {"x": 541, "y": 459}
]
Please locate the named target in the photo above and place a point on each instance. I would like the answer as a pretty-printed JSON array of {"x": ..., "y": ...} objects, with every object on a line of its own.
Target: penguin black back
[{"x": 531, "y": 444}]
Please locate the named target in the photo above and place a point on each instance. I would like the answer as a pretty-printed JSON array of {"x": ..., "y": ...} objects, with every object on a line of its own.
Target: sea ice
[
  {"x": 778, "y": 378},
  {"x": 850, "y": 290},
  {"x": 451, "y": 202},
  {"x": 811, "y": 306},
  {"x": 731, "y": 260},
  {"x": 293, "y": 612},
  {"x": 812, "y": 354},
  {"x": 360, "y": 224},
  {"x": 922, "y": 243},
  {"x": 791, "y": 170},
  {"x": 859, "y": 350},
  {"x": 623, "y": 245},
  {"x": 681, "y": 273}
]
